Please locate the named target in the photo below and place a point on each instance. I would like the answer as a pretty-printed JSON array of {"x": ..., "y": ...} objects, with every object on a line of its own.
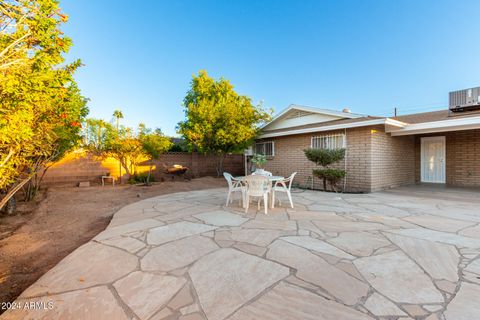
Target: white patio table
[{"x": 272, "y": 180}]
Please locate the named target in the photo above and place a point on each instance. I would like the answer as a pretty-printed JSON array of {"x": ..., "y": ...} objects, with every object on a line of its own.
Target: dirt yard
[{"x": 63, "y": 219}]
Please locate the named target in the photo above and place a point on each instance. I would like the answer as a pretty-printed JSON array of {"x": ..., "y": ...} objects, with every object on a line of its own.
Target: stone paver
[
  {"x": 359, "y": 243},
  {"x": 466, "y": 304},
  {"x": 146, "y": 293},
  {"x": 317, "y": 245},
  {"x": 400, "y": 254},
  {"x": 316, "y": 270},
  {"x": 290, "y": 302},
  {"x": 177, "y": 254},
  {"x": 176, "y": 231},
  {"x": 92, "y": 303},
  {"x": 381, "y": 306},
  {"x": 443, "y": 237},
  {"x": 428, "y": 253},
  {"x": 398, "y": 278},
  {"x": 228, "y": 278},
  {"x": 221, "y": 218},
  {"x": 86, "y": 267}
]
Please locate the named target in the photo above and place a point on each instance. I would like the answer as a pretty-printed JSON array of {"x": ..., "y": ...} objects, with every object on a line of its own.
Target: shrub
[
  {"x": 324, "y": 158},
  {"x": 333, "y": 176},
  {"x": 260, "y": 160},
  {"x": 140, "y": 178}
]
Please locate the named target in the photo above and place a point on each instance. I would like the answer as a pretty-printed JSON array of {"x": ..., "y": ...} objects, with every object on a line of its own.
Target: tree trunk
[
  {"x": 12, "y": 192},
  {"x": 149, "y": 172},
  {"x": 11, "y": 207},
  {"x": 125, "y": 166},
  {"x": 324, "y": 184}
]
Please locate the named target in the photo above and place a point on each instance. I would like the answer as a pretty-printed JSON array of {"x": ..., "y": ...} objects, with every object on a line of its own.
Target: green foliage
[
  {"x": 129, "y": 148},
  {"x": 324, "y": 157},
  {"x": 143, "y": 177},
  {"x": 332, "y": 175},
  {"x": 179, "y": 145},
  {"x": 259, "y": 159},
  {"x": 219, "y": 120},
  {"x": 154, "y": 143},
  {"x": 41, "y": 107}
]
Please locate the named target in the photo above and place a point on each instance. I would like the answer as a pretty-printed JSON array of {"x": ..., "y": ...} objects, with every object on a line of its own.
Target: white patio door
[{"x": 433, "y": 159}]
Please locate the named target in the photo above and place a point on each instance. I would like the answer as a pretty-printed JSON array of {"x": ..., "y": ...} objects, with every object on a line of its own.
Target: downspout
[{"x": 345, "y": 161}]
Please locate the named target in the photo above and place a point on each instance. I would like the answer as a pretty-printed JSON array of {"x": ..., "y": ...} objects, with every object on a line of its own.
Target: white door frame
[{"x": 442, "y": 160}]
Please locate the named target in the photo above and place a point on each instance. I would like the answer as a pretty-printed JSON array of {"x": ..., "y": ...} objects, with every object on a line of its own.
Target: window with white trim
[
  {"x": 266, "y": 148},
  {"x": 331, "y": 141}
]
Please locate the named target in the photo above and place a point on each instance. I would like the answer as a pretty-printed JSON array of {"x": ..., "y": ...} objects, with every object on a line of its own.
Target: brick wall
[
  {"x": 289, "y": 157},
  {"x": 393, "y": 160},
  {"x": 374, "y": 160},
  {"x": 462, "y": 157},
  {"x": 84, "y": 167}
]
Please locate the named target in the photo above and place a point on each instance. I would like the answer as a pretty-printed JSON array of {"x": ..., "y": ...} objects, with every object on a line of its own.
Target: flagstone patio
[{"x": 404, "y": 254}]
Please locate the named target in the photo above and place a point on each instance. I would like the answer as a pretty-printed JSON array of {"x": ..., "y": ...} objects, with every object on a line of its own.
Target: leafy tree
[
  {"x": 41, "y": 108},
  {"x": 128, "y": 148},
  {"x": 154, "y": 144},
  {"x": 117, "y": 114},
  {"x": 219, "y": 120},
  {"x": 324, "y": 158}
]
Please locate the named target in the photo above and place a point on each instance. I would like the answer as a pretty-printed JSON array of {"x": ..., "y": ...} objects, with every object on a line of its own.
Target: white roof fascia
[
  {"x": 329, "y": 112},
  {"x": 438, "y": 126},
  {"x": 382, "y": 121}
]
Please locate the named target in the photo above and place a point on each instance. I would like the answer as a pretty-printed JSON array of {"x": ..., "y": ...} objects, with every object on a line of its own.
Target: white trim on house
[
  {"x": 382, "y": 121},
  {"x": 467, "y": 123},
  {"x": 328, "y": 112}
]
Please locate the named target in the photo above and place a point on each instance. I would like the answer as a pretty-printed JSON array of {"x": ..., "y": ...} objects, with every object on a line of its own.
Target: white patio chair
[
  {"x": 257, "y": 186},
  {"x": 284, "y": 185},
  {"x": 234, "y": 185},
  {"x": 263, "y": 173}
]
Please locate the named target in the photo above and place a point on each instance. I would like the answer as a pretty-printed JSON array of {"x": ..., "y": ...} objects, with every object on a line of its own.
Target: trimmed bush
[{"x": 324, "y": 158}]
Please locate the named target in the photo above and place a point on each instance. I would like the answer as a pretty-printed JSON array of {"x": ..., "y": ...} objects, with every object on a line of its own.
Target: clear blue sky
[{"x": 139, "y": 56}]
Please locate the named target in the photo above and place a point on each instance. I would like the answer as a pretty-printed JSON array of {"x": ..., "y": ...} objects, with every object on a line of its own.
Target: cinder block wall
[
  {"x": 84, "y": 167},
  {"x": 462, "y": 157}
]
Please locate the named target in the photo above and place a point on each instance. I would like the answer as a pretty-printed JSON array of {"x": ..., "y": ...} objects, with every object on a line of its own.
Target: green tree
[
  {"x": 219, "y": 120},
  {"x": 324, "y": 158},
  {"x": 127, "y": 147},
  {"x": 41, "y": 108},
  {"x": 154, "y": 144},
  {"x": 117, "y": 114}
]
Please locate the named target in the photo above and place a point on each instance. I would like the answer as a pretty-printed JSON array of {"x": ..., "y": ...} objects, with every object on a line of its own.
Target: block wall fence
[{"x": 80, "y": 166}]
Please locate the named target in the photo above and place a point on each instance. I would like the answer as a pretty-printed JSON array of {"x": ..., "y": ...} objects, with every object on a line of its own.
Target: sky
[{"x": 369, "y": 56}]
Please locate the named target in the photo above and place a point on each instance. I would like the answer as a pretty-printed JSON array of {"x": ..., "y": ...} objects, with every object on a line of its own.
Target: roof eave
[
  {"x": 314, "y": 110},
  {"x": 437, "y": 126},
  {"x": 366, "y": 123}
]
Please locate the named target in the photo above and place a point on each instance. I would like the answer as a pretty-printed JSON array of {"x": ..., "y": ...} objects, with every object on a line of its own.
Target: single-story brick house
[{"x": 381, "y": 152}]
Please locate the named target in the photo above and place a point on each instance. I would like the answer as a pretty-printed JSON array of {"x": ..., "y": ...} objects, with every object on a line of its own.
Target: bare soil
[{"x": 61, "y": 220}]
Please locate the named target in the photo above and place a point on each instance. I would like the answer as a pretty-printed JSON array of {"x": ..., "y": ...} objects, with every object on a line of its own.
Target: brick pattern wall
[
  {"x": 462, "y": 157},
  {"x": 84, "y": 167},
  {"x": 393, "y": 160},
  {"x": 374, "y": 159},
  {"x": 289, "y": 157}
]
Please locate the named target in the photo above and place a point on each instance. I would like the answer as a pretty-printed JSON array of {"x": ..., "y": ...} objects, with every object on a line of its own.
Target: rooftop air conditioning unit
[{"x": 464, "y": 100}]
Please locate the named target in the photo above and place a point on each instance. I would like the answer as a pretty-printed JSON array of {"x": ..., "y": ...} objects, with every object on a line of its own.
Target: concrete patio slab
[{"x": 400, "y": 254}]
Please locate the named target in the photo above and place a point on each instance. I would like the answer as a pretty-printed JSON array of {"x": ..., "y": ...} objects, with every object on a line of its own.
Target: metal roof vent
[
  {"x": 464, "y": 100},
  {"x": 347, "y": 110}
]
